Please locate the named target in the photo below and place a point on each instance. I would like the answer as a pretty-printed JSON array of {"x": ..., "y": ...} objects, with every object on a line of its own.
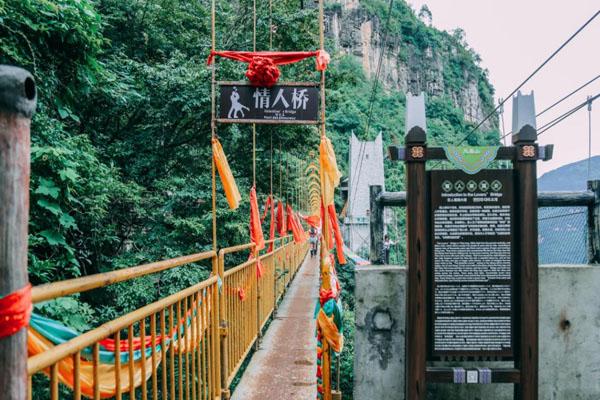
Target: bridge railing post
[
  {"x": 17, "y": 104},
  {"x": 257, "y": 291},
  {"x": 594, "y": 223},
  {"x": 223, "y": 329},
  {"x": 376, "y": 225},
  {"x": 216, "y": 327}
]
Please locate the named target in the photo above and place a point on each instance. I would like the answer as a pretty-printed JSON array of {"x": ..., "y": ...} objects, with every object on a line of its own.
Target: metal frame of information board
[{"x": 524, "y": 154}]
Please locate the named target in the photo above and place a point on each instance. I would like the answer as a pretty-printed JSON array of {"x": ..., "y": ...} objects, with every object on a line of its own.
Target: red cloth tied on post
[
  {"x": 272, "y": 228},
  {"x": 312, "y": 220},
  {"x": 281, "y": 223},
  {"x": 295, "y": 226},
  {"x": 15, "y": 311},
  {"x": 268, "y": 205},
  {"x": 256, "y": 234},
  {"x": 262, "y": 65},
  {"x": 337, "y": 234}
]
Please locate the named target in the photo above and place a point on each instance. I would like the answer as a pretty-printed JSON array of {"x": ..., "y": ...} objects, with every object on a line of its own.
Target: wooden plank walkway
[{"x": 284, "y": 366}]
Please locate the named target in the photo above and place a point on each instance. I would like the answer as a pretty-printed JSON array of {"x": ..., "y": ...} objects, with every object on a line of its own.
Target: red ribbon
[
  {"x": 262, "y": 65},
  {"x": 256, "y": 233},
  {"x": 278, "y": 57},
  {"x": 15, "y": 311}
]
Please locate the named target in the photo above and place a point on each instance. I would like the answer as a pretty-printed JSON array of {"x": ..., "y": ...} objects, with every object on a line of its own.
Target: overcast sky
[{"x": 513, "y": 37}]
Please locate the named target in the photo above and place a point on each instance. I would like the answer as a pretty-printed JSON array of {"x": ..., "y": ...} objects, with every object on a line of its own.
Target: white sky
[{"x": 513, "y": 37}]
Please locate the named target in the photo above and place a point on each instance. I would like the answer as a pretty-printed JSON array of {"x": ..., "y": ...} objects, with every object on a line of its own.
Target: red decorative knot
[
  {"x": 417, "y": 152},
  {"x": 529, "y": 151},
  {"x": 262, "y": 72},
  {"x": 15, "y": 311}
]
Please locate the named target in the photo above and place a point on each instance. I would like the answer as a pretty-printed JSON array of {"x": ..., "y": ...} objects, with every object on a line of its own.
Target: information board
[
  {"x": 471, "y": 284},
  {"x": 285, "y": 104}
]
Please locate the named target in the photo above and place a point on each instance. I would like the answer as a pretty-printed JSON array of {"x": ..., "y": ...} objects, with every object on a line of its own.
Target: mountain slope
[{"x": 572, "y": 176}]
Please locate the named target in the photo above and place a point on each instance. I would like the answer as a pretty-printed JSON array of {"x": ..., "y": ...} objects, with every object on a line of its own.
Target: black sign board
[
  {"x": 471, "y": 269},
  {"x": 281, "y": 104}
]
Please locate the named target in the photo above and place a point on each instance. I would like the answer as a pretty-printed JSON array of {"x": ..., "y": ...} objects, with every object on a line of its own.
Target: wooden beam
[
  {"x": 398, "y": 153},
  {"x": 376, "y": 225},
  {"x": 545, "y": 199},
  {"x": 499, "y": 375},
  {"x": 17, "y": 104}
]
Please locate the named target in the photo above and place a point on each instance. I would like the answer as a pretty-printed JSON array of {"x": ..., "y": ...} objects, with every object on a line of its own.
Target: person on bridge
[
  {"x": 387, "y": 246},
  {"x": 314, "y": 239}
]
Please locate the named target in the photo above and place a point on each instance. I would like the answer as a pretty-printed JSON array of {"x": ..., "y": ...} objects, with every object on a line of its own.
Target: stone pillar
[{"x": 379, "y": 334}]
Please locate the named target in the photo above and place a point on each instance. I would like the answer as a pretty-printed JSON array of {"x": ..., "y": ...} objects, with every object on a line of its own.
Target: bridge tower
[{"x": 365, "y": 169}]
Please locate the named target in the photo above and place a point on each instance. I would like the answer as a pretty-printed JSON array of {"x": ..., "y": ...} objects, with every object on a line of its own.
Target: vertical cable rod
[
  {"x": 589, "y": 163},
  {"x": 213, "y": 126}
]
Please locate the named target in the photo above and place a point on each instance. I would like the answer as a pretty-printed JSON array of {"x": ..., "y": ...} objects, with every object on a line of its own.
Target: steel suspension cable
[
  {"x": 374, "y": 91},
  {"x": 589, "y": 138},
  {"x": 566, "y": 115},
  {"x": 254, "y": 125},
  {"x": 213, "y": 126},
  {"x": 568, "y": 95},
  {"x": 559, "y": 101},
  {"x": 542, "y": 65}
]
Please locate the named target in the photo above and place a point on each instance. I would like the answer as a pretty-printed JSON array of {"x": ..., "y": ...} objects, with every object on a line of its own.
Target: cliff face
[{"x": 416, "y": 57}]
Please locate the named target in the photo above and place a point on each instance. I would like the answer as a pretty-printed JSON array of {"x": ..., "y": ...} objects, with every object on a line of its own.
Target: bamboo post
[{"x": 17, "y": 104}]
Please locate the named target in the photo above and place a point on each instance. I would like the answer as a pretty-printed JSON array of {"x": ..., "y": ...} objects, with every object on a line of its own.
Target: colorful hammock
[{"x": 45, "y": 333}]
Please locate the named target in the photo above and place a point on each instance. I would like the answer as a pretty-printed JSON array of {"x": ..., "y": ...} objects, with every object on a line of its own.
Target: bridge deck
[{"x": 284, "y": 366}]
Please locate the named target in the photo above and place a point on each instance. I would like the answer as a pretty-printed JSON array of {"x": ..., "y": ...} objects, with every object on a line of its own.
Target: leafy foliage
[{"x": 120, "y": 141}]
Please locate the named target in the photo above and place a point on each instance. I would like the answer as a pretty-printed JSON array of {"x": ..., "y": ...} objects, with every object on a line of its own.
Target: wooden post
[
  {"x": 417, "y": 248},
  {"x": 526, "y": 356},
  {"x": 17, "y": 104},
  {"x": 376, "y": 225},
  {"x": 594, "y": 223}
]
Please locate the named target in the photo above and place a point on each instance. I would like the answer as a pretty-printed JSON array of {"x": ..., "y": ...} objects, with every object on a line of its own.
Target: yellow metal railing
[{"x": 199, "y": 336}]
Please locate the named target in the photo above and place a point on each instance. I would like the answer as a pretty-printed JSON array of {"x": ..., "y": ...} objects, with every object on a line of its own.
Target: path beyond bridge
[{"x": 284, "y": 366}]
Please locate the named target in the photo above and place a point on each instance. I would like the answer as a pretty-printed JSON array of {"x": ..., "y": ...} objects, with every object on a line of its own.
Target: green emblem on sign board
[{"x": 471, "y": 159}]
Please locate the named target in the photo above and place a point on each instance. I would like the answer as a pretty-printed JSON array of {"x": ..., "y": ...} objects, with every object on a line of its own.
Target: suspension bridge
[{"x": 252, "y": 323}]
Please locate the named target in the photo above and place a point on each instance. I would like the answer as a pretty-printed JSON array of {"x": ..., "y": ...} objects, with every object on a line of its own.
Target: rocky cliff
[{"x": 416, "y": 57}]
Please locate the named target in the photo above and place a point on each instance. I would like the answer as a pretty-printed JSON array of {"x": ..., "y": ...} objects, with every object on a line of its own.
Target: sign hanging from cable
[{"x": 240, "y": 102}]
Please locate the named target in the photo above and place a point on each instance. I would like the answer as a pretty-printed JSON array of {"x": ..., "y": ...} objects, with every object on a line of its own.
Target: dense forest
[{"x": 121, "y": 137}]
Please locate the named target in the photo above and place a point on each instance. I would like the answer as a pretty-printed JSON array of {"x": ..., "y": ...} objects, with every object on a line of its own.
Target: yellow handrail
[
  {"x": 210, "y": 347},
  {"x": 45, "y": 360},
  {"x": 50, "y": 291}
]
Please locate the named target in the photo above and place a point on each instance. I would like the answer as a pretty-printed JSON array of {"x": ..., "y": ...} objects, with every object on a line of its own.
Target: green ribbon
[{"x": 471, "y": 159}]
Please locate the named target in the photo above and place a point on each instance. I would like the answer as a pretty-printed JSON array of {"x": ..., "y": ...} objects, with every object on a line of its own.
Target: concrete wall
[
  {"x": 379, "y": 333},
  {"x": 569, "y": 337}
]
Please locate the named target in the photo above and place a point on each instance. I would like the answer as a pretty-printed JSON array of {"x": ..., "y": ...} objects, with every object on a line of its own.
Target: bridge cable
[
  {"x": 213, "y": 125},
  {"x": 561, "y": 215},
  {"x": 559, "y": 101},
  {"x": 254, "y": 125},
  {"x": 372, "y": 99},
  {"x": 566, "y": 115},
  {"x": 542, "y": 65}
]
